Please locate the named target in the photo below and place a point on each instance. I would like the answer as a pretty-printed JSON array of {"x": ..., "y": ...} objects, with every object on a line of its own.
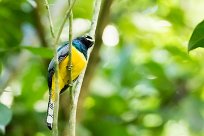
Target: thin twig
[
  {"x": 70, "y": 49},
  {"x": 50, "y": 19},
  {"x": 97, "y": 6},
  {"x": 72, "y": 116},
  {"x": 72, "y": 120},
  {"x": 64, "y": 21},
  {"x": 56, "y": 102},
  {"x": 56, "y": 109},
  {"x": 103, "y": 20},
  {"x": 94, "y": 21}
]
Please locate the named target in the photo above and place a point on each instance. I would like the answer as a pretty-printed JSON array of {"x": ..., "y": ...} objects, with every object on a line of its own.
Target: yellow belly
[{"x": 78, "y": 64}]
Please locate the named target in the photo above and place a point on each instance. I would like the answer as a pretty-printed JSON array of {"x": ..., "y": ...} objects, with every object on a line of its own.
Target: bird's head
[
  {"x": 83, "y": 43},
  {"x": 86, "y": 40}
]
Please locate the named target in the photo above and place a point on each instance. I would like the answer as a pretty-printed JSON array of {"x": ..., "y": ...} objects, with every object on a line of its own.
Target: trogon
[{"x": 79, "y": 48}]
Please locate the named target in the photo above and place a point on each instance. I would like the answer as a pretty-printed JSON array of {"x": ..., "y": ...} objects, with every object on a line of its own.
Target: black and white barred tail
[{"x": 50, "y": 114}]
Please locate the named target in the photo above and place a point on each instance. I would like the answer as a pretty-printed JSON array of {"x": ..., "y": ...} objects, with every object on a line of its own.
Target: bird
[{"x": 79, "y": 49}]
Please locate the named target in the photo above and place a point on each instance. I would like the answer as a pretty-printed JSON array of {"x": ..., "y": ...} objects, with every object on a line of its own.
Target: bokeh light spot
[{"x": 110, "y": 36}]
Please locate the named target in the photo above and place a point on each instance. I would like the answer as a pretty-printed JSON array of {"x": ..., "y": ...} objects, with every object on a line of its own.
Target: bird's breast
[{"x": 78, "y": 64}]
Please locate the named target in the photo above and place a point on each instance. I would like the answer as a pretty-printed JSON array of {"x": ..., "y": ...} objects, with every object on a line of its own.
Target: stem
[
  {"x": 74, "y": 97},
  {"x": 56, "y": 109},
  {"x": 94, "y": 22},
  {"x": 97, "y": 7},
  {"x": 56, "y": 103},
  {"x": 50, "y": 19},
  {"x": 64, "y": 21},
  {"x": 72, "y": 117},
  {"x": 70, "y": 50},
  {"x": 103, "y": 20}
]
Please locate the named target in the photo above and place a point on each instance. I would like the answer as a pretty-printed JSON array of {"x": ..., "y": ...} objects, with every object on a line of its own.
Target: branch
[
  {"x": 97, "y": 7},
  {"x": 71, "y": 125},
  {"x": 56, "y": 102},
  {"x": 64, "y": 21},
  {"x": 50, "y": 19},
  {"x": 74, "y": 97},
  {"x": 103, "y": 20},
  {"x": 70, "y": 51},
  {"x": 56, "y": 109}
]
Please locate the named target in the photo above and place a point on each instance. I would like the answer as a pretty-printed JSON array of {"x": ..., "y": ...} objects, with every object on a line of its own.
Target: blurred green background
[{"x": 144, "y": 84}]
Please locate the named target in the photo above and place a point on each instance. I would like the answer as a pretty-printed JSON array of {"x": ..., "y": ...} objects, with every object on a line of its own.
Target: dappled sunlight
[
  {"x": 151, "y": 24},
  {"x": 80, "y": 26},
  {"x": 176, "y": 128}
]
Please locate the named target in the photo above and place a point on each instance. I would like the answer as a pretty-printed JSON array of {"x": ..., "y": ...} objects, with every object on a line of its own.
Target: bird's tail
[{"x": 50, "y": 113}]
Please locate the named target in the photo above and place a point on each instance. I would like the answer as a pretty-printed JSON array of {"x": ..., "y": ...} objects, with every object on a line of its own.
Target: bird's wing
[{"x": 62, "y": 52}]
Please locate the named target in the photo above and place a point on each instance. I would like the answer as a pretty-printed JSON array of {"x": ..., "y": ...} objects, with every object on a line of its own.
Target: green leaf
[
  {"x": 5, "y": 115},
  {"x": 197, "y": 38},
  {"x": 43, "y": 52}
]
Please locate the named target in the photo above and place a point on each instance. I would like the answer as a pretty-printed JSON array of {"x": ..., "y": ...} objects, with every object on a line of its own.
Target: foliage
[
  {"x": 147, "y": 85},
  {"x": 197, "y": 38}
]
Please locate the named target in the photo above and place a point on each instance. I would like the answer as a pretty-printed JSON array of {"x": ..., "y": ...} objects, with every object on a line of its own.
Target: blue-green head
[{"x": 83, "y": 44}]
